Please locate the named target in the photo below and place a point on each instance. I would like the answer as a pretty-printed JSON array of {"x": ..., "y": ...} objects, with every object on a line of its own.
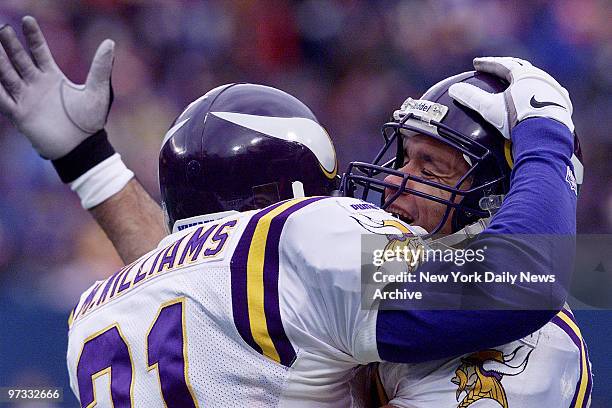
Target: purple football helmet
[
  {"x": 487, "y": 153},
  {"x": 242, "y": 147}
]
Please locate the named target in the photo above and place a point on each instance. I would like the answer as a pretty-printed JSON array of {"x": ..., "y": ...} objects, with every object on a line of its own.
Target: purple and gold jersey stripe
[
  {"x": 566, "y": 321},
  {"x": 255, "y": 272}
]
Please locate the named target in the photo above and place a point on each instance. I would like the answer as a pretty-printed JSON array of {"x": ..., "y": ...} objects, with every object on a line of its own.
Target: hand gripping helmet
[
  {"x": 242, "y": 147},
  {"x": 479, "y": 192}
]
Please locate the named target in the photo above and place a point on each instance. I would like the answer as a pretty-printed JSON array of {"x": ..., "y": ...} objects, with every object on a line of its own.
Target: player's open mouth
[{"x": 402, "y": 215}]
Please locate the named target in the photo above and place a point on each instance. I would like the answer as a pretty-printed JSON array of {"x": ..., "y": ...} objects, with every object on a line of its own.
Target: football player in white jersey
[
  {"x": 274, "y": 323},
  {"x": 434, "y": 144}
]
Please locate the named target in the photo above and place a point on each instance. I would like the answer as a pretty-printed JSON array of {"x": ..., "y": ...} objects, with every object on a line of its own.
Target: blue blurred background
[{"x": 353, "y": 62}]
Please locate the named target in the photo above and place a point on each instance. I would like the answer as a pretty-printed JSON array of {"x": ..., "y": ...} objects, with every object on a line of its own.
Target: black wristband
[{"x": 90, "y": 152}]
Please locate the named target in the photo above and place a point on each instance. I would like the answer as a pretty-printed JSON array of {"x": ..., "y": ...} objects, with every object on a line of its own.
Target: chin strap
[
  {"x": 490, "y": 203},
  {"x": 298, "y": 189},
  {"x": 467, "y": 232}
]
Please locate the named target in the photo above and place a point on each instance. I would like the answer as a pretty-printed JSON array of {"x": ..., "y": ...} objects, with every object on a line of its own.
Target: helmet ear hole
[{"x": 265, "y": 195}]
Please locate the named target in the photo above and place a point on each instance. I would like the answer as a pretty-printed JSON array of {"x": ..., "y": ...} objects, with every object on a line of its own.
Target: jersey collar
[{"x": 183, "y": 224}]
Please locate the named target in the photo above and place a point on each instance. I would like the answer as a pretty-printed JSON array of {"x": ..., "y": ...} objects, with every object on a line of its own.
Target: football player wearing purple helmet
[
  {"x": 442, "y": 166},
  {"x": 445, "y": 167},
  {"x": 243, "y": 147}
]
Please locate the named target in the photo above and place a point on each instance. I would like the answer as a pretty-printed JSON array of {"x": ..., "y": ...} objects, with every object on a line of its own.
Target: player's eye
[{"x": 427, "y": 173}]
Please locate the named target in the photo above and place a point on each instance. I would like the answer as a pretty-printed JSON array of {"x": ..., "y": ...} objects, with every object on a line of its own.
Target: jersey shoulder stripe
[
  {"x": 566, "y": 321},
  {"x": 254, "y": 281}
]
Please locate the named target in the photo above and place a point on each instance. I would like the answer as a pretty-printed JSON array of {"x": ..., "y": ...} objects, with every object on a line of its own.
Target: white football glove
[
  {"x": 55, "y": 114},
  {"x": 532, "y": 93}
]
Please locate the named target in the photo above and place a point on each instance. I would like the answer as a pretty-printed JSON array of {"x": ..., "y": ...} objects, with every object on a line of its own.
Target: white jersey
[
  {"x": 549, "y": 368},
  {"x": 259, "y": 309}
]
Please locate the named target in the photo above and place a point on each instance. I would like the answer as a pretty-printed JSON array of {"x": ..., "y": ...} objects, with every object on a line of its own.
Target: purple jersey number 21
[{"x": 107, "y": 352}]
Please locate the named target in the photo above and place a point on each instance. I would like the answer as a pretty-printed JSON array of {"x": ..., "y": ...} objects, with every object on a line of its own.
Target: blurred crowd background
[{"x": 353, "y": 62}]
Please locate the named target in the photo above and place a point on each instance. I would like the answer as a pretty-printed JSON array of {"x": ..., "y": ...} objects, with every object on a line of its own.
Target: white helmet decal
[{"x": 301, "y": 130}]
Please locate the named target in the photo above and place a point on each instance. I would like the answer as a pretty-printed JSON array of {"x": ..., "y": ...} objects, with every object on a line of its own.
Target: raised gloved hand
[
  {"x": 63, "y": 121},
  {"x": 532, "y": 93},
  {"x": 55, "y": 114}
]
